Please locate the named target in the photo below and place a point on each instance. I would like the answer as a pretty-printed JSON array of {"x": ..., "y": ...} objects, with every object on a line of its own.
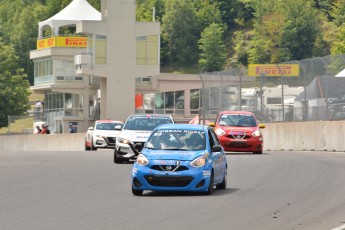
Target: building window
[
  {"x": 164, "y": 102},
  {"x": 43, "y": 71},
  {"x": 101, "y": 50},
  {"x": 147, "y": 50},
  {"x": 64, "y": 104},
  {"x": 64, "y": 69}
]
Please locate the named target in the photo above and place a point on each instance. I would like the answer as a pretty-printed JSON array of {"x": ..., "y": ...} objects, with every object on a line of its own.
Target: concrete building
[
  {"x": 104, "y": 65},
  {"x": 84, "y": 56}
]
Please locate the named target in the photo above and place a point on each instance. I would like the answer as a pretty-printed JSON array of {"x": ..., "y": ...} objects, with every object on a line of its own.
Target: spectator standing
[
  {"x": 39, "y": 108},
  {"x": 71, "y": 128}
]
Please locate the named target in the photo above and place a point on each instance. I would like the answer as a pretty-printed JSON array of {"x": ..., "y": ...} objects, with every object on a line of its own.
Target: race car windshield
[
  {"x": 239, "y": 120},
  {"x": 107, "y": 126},
  {"x": 183, "y": 140},
  {"x": 146, "y": 123}
]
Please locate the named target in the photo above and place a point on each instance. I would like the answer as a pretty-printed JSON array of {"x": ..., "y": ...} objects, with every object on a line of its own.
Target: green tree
[
  {"x": 180, "y": 30},
  {"x": 235, "y": 13},
  {"x": 145, "y": 10},
  {"x": 25, "y": 37},
  {"x": 301, "y": 28},
  {"x": 337, "y": 37},
  {"x": 338, "y": 47},
  {"x": 14, "y": 86},
  {"x": 240, "y": 39},
  {"x": 207, "y": 13},
  {"x": 288, "y": 31},
  {"x": 213, "y": 50}
]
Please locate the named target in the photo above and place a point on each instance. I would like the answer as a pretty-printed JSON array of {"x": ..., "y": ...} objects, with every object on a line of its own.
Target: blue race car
[{"x": 180, "y": 157}]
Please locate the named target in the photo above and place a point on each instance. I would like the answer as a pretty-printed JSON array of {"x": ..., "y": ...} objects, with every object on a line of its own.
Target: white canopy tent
[
  {"x": 76, "y": 11},
  {"x": 341, "y": 73}
]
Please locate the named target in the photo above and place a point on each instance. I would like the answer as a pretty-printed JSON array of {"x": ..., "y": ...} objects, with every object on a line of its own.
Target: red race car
[{"x": 239, "y": 131}]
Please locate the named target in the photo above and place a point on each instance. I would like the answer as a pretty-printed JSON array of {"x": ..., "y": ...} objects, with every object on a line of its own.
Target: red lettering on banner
[
  {"x": 273, "y": 70},
  {"x": 50, "y": 42},
  {"x": 40, "y": 44},
  {"x": 75, "y": 42}
]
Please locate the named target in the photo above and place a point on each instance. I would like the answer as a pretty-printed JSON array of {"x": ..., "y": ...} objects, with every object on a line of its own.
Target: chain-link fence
[{"x": 274, "y": 95}]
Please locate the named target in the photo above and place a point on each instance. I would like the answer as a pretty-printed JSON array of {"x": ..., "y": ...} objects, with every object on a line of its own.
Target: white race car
[
  {"x": 102, "y": 134},
  {"x": 135, "y": 133}
]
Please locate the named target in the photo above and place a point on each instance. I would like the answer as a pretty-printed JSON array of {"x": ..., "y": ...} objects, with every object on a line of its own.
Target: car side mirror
[
  {"x": 90, "y": 128},
  {"x": 212, "y": 124},
  {"x": 118, "y": 127},
  {"x": 262, "y": 126},
  {"x": 216, "y": 148}
]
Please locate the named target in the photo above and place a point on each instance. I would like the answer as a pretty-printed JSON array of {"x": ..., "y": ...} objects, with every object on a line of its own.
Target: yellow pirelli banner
[
  {"x": 59, "y": 41},
  {"x": 273, "y": 70}
]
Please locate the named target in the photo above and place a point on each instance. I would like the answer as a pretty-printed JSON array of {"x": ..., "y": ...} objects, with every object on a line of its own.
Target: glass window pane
[
  {"x": 194, "y": 98},
  {"x": 159, "y": 100},
  {"x": 179, "y": 99},
  {"x": 141, "y": 49},
  {"x": 152, "y": 50},
  {"x": 169, "y": 100}
]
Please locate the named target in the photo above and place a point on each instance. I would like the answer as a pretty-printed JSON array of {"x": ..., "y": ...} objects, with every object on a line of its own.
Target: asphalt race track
[{"x": 87, "y": 191}]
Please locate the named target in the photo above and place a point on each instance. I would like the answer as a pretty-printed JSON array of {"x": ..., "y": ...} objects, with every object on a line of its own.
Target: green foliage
[
  {"x": 145, "y": 10},
  {"x": 255, "y": 31},
  {"x": 339, "y": 43},
  {"x": 213, "y": 55},
  {"x": 180, "y": 29},
  {"x": 287, "y": 32},
  {"x": 14, "y": 86},
  {"x": 240, "y": 49}
]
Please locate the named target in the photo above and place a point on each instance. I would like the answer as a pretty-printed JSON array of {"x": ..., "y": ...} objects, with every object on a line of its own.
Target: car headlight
[
  {"x": 100, "y": 136},
  {"x": 122, "y": 140},
  {"x": 142, "y": 160},
  {"x": 256, "y": 133},
  {"x": 198, "y": 162},
  {"x": 220, "y": 132}
]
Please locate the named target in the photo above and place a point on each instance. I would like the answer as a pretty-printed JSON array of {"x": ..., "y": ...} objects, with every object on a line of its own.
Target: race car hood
[
  {"x": 135, "y": 135},
  {"x": 172, "y": 154},
  {"x": 238, "y": 130},
  {"x": 107, "y": 133}
]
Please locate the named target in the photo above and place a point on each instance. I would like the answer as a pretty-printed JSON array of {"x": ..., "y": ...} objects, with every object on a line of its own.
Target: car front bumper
[
  {"x": 252, "y": 144},
  {"x": 191, "y": 179},
  {"x": 104, "y": 142},
  {"x": 129, "y": 151}
]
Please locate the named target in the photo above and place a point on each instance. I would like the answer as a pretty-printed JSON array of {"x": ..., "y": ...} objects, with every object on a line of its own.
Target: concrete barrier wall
[
  {"x": 36, "y": 142},
  {"x": 318, "y": 135}
]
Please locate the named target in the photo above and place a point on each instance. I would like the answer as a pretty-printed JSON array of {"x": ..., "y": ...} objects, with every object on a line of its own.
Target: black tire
[
  {"x": 257, "y": 152},
  {"x": 117, "y": 159},
  {"x": 93, "y": 148},
  {"x": 210, "y": 186},
  {"x": 222, "y": 185},
  {"x": 137, "y": 192}
]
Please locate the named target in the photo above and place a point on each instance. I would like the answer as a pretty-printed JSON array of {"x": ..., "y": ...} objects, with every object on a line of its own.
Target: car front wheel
[
  {"x": 117, "y": 159},
  {"x": 210, "y": 186},
  {"x": 137, "y": 192},
  {"x": 92, "y": 146},
  {"x": 223, "y": 184},
  {"x": 87, "y": 148},
  {"x": 257, "y": 152}
]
